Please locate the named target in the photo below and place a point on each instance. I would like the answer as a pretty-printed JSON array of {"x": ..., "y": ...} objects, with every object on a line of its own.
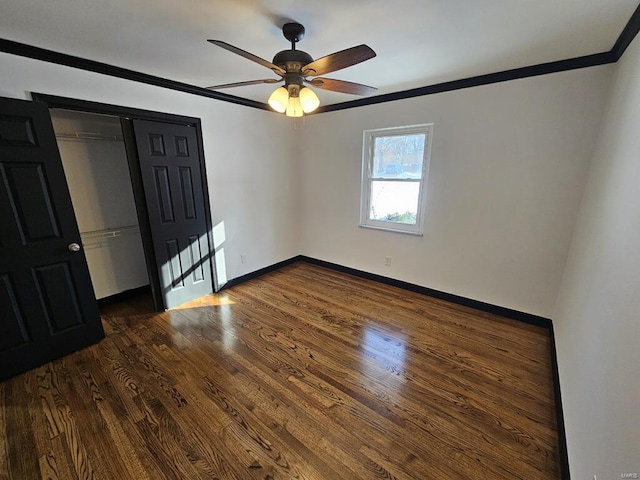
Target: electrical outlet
[
  {"x": 387, "y": 261},
  {"x": 243, "y": 258}
]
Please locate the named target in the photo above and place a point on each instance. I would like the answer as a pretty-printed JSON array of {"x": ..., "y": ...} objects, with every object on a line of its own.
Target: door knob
[{"x": 73, "y": 247}]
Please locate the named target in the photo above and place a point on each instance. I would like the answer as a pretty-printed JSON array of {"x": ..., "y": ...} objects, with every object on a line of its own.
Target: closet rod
[
  {"x": 108, "y": 232},
  {"x": 89, "y": 136}
]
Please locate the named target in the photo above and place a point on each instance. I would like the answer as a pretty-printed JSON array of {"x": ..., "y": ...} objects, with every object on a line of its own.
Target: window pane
[
  {"x": 398, "y": 156},
  {"x": 394, "y": 201}
]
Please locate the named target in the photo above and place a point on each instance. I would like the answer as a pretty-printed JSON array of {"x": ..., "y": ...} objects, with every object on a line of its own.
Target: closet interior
[{"x": 95, "y": 165}]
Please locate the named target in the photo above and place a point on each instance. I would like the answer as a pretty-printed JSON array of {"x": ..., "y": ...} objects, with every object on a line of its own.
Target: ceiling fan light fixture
[
  {"x": 293, "y": 100},
  {"x": 279, "y": 99},
  {"x": 309, "y": 100},
  {"x": 294, "y": 107}
]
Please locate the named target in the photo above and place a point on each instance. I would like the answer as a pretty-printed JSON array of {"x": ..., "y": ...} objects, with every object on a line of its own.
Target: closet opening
[
  {"x": 140, "y": 197},
  {"x": 95, "y": 163}
]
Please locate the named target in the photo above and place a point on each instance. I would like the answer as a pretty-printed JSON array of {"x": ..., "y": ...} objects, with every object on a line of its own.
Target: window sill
[{"x": 391, "y": 229}]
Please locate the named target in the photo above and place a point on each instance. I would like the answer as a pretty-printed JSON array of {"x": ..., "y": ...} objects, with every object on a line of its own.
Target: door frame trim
[{"x": 125, "y": 112}]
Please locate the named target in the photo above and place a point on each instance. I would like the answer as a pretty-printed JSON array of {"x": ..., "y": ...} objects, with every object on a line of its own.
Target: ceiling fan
[{"x": 294, "y": 67}]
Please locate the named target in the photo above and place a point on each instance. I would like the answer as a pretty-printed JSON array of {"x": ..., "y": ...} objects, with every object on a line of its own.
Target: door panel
[
  {"x": 174, "y": 195},
  {"x": 13, "y": 328},
  {"x": 188, "y": 199},
  {"x": 163, "y": 194},
  {"x": 30, "y": 200},
  {"x": 46, "y": 298},
  {"x": 59, "y": 297}
]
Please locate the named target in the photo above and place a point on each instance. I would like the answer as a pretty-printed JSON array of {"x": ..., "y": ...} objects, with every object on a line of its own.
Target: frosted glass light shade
[
  {"x": 279, "y": 99},
  {"x": 309, "y": 100},
  {"x": 294, "y": 108}
]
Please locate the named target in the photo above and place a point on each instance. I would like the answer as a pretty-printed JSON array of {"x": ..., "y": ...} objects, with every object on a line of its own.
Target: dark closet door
[
  {"x": 174, "y": 195},
  {"x": 47, "y": 304}
]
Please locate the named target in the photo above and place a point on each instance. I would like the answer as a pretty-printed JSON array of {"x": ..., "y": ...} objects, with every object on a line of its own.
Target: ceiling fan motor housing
[{"x": 292, "y": 60}]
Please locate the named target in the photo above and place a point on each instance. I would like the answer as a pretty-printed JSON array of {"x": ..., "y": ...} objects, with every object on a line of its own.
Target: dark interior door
[
  {"x": 47, "y": 304},
  {"x": 175, "y": 199}
]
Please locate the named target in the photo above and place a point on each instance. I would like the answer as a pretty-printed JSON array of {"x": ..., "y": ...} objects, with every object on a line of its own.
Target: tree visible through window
[{"x": 395, "y": 165}]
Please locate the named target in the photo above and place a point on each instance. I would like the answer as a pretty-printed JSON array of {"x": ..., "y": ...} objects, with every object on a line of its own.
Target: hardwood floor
[{"x": 302, "y": 373}]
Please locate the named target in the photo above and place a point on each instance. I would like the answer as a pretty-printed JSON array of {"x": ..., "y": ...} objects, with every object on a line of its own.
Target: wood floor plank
[
  {"x": 4, "y": 434},
  {"x": 20, "y": 437},
  {"x": 49, "y": 467},
  {"x": 303, "y": 373},
  {"x": 62, "y": 456}
]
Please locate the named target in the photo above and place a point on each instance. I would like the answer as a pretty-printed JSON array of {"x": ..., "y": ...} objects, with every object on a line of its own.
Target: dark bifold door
[
  {"x": 47, "y": 305},
  {"x": 170, "y": 168}
]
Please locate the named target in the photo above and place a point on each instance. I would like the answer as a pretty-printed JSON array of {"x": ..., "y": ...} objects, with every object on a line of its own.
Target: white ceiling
[{"x": 418, "y": 42}]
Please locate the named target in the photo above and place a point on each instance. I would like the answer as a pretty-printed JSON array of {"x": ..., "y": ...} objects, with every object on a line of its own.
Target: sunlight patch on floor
[{"x": 211, "y": 300}]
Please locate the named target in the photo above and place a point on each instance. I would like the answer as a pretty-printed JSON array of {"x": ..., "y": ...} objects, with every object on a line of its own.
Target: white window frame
[{"x": 367, "y": 178}]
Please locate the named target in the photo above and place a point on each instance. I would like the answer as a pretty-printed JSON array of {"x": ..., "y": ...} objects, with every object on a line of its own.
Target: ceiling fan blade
[
  {"x": 248, "y": 56},
  {"x": 339, "y": 60},
  {"x": 244, "y": 84},
  {"x": 342, "y": 86}
]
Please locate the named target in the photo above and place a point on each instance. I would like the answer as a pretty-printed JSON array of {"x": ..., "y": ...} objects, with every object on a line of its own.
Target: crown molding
[
  {"x": 37, "y": 53},
  {"x": 628, "y": 34},
  {"x": 504, "y": 76}
]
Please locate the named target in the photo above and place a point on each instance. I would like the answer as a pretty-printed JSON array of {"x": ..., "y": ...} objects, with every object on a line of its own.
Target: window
[{"x": 395, "y": 163}]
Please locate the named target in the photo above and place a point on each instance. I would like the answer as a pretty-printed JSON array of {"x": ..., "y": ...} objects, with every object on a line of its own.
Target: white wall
[
  {"x": 508, "y": 166},
  {"x": 250, "y": 168},
  {"x": 597, "y": 319}
]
